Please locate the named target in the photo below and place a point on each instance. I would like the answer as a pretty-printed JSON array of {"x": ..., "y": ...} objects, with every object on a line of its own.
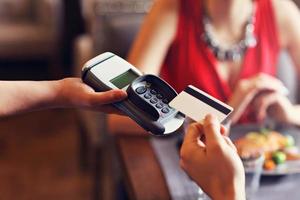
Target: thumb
[
  {"x": 108, "y": 97},
  {"x": 212, "y": 129},
  {"x": 193, "y": 132},
  {"x": 191, "y": 143}
]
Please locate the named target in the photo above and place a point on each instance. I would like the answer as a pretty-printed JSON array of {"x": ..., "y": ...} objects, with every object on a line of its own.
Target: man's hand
[
  {"x": 25, "y": 96},
  {"x": 72, "y": 92},
  {"x": 213, "y": 162}
]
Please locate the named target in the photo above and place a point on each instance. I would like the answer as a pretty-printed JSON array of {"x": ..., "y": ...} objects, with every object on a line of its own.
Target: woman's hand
[
  {"x": 247, "y": 89},
  {"x": 72, "y": 92},
  {"x": 213, "y": 162},
  {"x": 277, "y": 106}
]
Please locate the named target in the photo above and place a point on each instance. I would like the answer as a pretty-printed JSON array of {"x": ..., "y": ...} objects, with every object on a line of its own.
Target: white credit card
[{"x": 196, "y": 104}]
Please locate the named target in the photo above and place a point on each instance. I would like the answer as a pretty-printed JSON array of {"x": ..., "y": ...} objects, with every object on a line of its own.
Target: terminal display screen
[{"x": 124, "y": 79}]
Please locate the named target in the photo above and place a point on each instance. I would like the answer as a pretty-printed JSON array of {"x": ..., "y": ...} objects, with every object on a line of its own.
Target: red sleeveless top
[{"x": 190, "y": 61}]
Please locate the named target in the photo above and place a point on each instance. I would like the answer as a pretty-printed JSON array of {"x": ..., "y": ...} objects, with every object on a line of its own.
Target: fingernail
[
  {"x": 120, "y": 94},
  {"x": 209, "y": 117}
]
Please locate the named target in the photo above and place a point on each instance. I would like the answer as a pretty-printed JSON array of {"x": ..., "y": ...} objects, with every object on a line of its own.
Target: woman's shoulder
[
  {"x": 165, "y": 9},
  {"x": 287, "y": 16},
  {"x": 284, "y": 4},
  {"x": 167, "y": 4},
  {"x": 285, "y": 10}
]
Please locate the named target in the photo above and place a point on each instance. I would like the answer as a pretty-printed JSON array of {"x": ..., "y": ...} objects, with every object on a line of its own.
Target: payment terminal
[{"x": 148, "y": 95}]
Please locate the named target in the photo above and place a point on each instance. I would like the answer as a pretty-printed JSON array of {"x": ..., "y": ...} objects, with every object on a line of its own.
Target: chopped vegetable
[
  {"x": 269, "y": 165},
  {"x": 279, "y": 157},
  {"x": 268, "y": 156},
  {"x": 290, "y": 141}
]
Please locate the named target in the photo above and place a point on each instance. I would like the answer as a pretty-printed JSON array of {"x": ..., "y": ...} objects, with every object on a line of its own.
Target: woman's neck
[{"x": 228, "y": 14}]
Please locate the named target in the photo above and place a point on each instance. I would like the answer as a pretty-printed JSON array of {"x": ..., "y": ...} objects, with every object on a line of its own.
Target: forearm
[
  {"x": 159, "y": 27},
  {"x": 233, "y": 194},
  {"x": 24, "y": 96}
]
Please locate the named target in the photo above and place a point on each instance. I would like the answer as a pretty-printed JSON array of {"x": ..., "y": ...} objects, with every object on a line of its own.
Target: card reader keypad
[
  {"x": 155, "y": 98},
  {"x": 159, "y": 105},
  {"x": 152, "y": 91},
  {"x": 159, "y": 96},
  {"x": 148, "y": 96},
  {"x": 165, "y": 110},
  {"x": 141, "y": 90}
]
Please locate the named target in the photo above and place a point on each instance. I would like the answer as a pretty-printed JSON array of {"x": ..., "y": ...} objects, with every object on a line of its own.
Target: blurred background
[
  {"x": 63, "y": 154},
  {"x": 59, "y": 154}
]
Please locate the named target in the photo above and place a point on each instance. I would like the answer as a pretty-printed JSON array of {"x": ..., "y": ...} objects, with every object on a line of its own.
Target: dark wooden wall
[{"x": 73, "y": 26}]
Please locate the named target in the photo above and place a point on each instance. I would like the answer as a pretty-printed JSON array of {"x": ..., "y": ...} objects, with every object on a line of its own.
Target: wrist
[
  {"x": 230, "y": 192},
  {"x": 55, "y": 94}
]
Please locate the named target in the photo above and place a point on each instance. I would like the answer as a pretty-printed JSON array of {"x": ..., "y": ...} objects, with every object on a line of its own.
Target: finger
[
  {"x": 112, "y": 96},
  {"x": 191, "y": 142},
  {"x": 264, "y": 102},
  {"x": 212, "y": 129},
  {"x": 230, "y": 143},
  {"x": 258, "y": 107},
  {"x": 193, "y": 133},
  {"x": 223, "y": 130},
  {"x": 263, "y": 78},
  {"x": 267, "y": 82}
]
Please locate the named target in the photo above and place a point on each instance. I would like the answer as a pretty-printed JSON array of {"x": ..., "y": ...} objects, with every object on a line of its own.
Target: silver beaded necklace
[{"x": 236, "y": 52}]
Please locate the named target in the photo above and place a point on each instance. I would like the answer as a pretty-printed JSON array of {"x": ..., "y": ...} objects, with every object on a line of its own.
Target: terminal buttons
[
  {"x": 153, "y": 92},
  {"x": 159, "y": 96},
  {"x": 165, "y": 101},
  {"x": 154, "y": 97},
  {"x": 165, "y": 110},
  {"x": 148, "y": 96},
  {"x": 159, "y": 105},
  {"x": 153, "y": 100},
  {"x": 141, "y": 90}
]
